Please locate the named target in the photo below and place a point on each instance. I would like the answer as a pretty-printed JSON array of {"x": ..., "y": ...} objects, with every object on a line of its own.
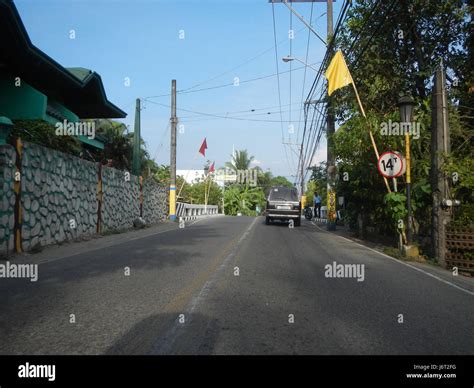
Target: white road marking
[
  {"x": 210, "y": 283},
  {"x": 402, "y": 263},
  {"x": 164, "y": 345}
]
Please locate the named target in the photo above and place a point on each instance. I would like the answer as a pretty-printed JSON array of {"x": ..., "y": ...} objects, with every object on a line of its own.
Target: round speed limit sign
[{"x": 390, "y": 165}]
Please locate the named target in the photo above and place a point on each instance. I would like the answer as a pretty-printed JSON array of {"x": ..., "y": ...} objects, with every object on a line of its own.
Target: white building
[
  {"x": 220, "y": 176},
  {"x": 191, "y": 176}
]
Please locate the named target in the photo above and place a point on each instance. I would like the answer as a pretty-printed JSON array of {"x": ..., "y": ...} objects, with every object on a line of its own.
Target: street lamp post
[
  {"x": 331, "y": 168},
  {"x": 406, "y": 104},
  {"x": 289, "y": 59}
]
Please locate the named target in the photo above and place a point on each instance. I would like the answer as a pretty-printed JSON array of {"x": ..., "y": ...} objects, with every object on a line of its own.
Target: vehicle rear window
[{"x": 283, "y": 194}]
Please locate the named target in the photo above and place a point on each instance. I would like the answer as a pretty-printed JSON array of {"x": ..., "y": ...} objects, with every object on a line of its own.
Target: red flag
[
  {"x": 203, "y": 148},
  {"x": 212, "y": 169}
]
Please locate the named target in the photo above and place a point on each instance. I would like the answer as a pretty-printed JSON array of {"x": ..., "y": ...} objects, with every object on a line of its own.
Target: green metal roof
[
  {"x": 80, "y": 72},
  {"x": 78, "y": 89}
]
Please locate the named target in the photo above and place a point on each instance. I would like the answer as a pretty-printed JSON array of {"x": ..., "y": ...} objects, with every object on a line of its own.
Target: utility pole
[
  {"x": 136, "y": 141},
  {"x": 302, "y": 170},
  {"x": 173, "y": 121},
  {"x": 440, "y": 144},
  {"x": 331, "y": 129}
]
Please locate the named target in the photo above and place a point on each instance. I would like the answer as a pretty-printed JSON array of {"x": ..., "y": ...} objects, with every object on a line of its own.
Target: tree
[
  {"x": 163, "y": 174},
  {"x": 243, "y": 199},
  {"x": 266, "y": 180},
  {"x": 318, "y": 183},
  {"x": 281, "y": 181},
  {"x": 196, "y": 193},
  {"x": 240, "y": 161},
  {"x": 118, "y": 143},
  {"x": 44, "y": 134},
  {"x": 397, "y": 46},
  {"x": 394, "y": 47}
]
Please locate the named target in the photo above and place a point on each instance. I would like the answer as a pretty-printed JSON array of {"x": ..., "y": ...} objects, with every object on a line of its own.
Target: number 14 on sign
[{"x": 390, "y": 164}]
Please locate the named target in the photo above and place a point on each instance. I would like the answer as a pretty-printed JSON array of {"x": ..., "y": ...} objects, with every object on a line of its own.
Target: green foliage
[
  {"x": 399, "y": 47},
  {"x": 280, "y": 181},
  {"x": 462, "y": 188},
  {"x": 195, "y": 193},
  {"x": 240, "y": 161},
  {"x": 44, "y": 134},
  {"x": 266, "y": 180},
  {"x": 318, "y": 183},
  {"x": 162, "y": 174},
  {"x": 243, "y": 199},
  {"x": 395, "y": 206},
  {"x": 118, "y": 143},
  {"x": 385, "y": 64}
]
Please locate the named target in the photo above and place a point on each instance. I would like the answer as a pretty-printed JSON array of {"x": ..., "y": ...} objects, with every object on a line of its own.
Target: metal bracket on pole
[{"x": 304, "y": 21}]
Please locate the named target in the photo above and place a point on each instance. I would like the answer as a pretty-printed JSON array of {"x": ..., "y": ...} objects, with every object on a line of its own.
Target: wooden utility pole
[
  {"x": 302, "y": 171},
  {"x": 440, "y": 145},
  {"x": 174, "y": 121},
  {"x": 136, "y": 141},
  {"x": 330, "y": 131}
]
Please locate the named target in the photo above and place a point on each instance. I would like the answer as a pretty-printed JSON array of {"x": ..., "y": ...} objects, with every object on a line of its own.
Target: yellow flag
[{"x": 337, "y": 73}]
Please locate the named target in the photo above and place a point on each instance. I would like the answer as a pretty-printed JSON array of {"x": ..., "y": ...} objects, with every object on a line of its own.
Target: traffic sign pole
[{"x": 407, "y": 151}]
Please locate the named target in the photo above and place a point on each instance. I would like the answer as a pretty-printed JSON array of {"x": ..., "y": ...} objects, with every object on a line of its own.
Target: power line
[
  {"x": 241, "y": 115},
  {"x": 384, "y": 19},
  {"x": 160, "y": 144},
  {"x": 278, "y": 83},
  {"x": 190, "y": 89},
  {"x": 369, "y": 16},
  {"x": 231, "y": 83},
  {"x": 341, "y": 18},
  {"x": 314, "y": 136},
  {"x": 268, "y": 108},
  {"x": 291, "y": 65},
  {"x": 216, "y": 116},
  {"x": 305, "y": 69}
]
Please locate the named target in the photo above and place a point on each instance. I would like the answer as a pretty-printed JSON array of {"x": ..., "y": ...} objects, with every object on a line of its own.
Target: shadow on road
[
  {"x": 163, "y": 334},
  {"x": 94, "y": 281}
]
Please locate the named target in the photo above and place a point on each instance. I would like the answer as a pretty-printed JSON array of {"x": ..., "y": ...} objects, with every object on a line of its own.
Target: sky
[{"x": 202, "y": 44}]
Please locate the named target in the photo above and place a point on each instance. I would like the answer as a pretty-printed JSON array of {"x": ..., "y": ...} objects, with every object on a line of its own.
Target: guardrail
[{"x": 190, "y": 211}]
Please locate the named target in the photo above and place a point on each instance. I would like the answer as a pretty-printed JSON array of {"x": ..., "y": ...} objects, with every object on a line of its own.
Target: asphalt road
[{"x": 231, "y": 285}]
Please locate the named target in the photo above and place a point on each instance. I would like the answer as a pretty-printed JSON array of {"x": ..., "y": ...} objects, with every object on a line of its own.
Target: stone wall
[
  {"x": 7, "y": 199},
  {"x": 155, "y": 202},
  {"x": 121, "y": 200},
  {"x": 59, "y": 198}
]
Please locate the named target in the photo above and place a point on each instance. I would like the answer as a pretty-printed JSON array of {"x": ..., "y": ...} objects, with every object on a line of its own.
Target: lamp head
[{"x": 406, "y": 104}]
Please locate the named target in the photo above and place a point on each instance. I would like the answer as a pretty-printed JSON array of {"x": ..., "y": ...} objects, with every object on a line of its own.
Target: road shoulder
[{"x": 441, "y": 274}]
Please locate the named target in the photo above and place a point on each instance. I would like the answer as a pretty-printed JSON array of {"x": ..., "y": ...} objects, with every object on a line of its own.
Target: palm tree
[
  {"x": 240, "y": 161},
  {"x": 118, "y": 143}
]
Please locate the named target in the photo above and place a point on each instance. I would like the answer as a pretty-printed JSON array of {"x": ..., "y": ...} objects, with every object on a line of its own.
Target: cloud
[{"x": 256, "y": 162}]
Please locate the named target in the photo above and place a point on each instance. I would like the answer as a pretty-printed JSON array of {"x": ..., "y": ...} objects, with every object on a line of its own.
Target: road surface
[{"x": 231, "y": 285}]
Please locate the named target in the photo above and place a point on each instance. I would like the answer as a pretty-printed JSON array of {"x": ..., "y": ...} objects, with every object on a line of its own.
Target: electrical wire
[
  {"x": 278, "y": 84},
  {"x": 217, "y": 116}
]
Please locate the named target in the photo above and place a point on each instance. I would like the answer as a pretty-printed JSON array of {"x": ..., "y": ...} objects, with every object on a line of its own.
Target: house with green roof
[{"x": 33, "y": 86}]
